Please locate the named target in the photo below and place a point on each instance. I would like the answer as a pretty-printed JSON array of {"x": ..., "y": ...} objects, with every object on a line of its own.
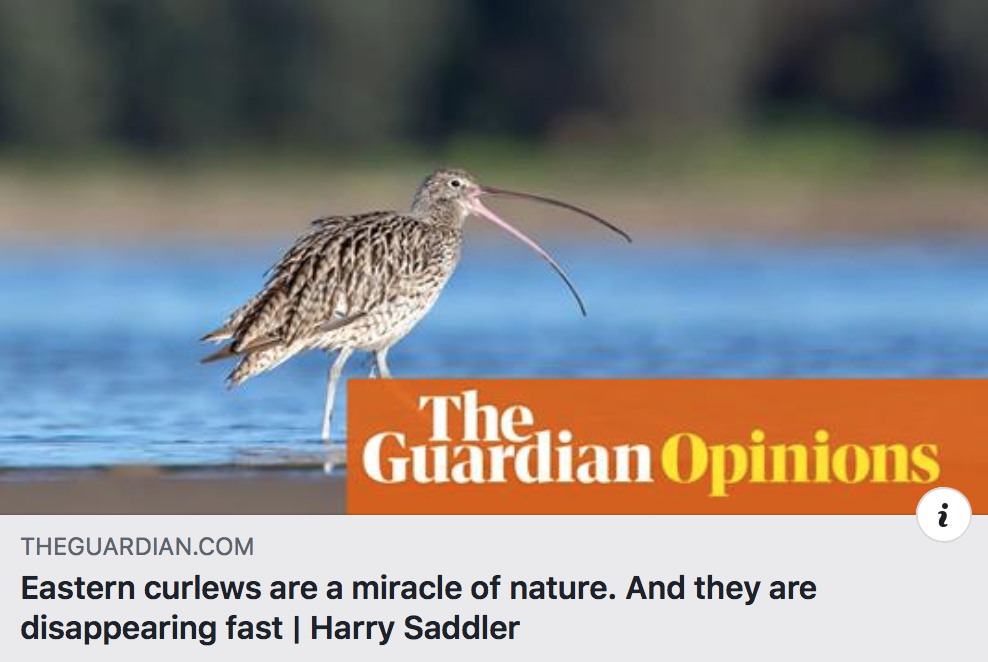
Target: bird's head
[
  {"x": 451, "y": 195},
  {"x": 446, "y": 194}
]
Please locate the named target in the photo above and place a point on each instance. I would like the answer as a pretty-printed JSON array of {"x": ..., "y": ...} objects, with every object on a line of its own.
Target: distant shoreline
[{"x": 253, "y": 203}]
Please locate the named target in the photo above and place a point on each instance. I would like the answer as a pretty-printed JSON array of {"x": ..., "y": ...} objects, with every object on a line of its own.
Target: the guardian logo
[{"x": 498, "y": 446}]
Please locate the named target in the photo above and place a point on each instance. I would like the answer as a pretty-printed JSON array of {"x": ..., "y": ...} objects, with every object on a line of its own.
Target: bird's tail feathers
[
  {"x": 218, "y": 335},
  {"x": 225, "y": 352},
  {"x": 257, "y": 362}
]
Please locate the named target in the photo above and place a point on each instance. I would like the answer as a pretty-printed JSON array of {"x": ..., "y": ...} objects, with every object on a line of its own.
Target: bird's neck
[{"x": 447, "y": 214}]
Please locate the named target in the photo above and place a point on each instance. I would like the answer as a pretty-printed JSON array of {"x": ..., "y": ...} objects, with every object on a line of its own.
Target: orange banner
[{"x": 663, "y": 446}]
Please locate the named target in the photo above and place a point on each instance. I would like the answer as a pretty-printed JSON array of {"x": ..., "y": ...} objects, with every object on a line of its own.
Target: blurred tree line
[{"x": 347, "y": 74}]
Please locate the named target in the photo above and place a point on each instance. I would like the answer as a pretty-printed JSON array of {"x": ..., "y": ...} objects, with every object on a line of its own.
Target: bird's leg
[
  {"x": 335, "y": 370},
  {"x": 381, "y": 358}
]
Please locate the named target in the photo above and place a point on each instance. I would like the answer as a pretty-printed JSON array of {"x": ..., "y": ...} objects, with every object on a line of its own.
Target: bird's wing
[{"x": 338, "y": 272}]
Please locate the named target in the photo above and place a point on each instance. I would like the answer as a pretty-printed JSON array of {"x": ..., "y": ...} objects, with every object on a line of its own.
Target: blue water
[{"x": 98, "y": 349}]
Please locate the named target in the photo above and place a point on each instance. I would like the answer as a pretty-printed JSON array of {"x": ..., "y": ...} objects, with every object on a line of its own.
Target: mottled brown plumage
[
  {"x": 362, "y": 282},
  {"x": 337, "y": 288}
]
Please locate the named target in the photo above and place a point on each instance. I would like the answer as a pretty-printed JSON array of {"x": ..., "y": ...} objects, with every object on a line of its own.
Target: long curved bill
[
  {"x": 503, "y": 193},
  {"x": 478, "y": 208}
]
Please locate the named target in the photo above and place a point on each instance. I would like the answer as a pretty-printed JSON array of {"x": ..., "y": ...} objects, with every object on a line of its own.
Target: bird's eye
[{"x": 455, "y": 183}]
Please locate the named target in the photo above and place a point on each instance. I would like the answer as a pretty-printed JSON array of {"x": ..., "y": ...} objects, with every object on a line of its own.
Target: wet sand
[{"x": 153, "y": 491}]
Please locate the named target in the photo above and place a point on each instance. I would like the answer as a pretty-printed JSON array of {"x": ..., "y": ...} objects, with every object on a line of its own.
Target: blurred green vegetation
[
  {"x": 834, "y": 89},
  {"x": 794, "y": 154}
]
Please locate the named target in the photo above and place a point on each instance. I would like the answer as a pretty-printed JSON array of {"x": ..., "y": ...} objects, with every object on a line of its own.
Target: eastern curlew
[{"x": 362, "y": 282}]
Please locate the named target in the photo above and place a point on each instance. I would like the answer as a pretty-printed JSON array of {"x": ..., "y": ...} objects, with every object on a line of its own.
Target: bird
[{"x": 361, "y": 282}]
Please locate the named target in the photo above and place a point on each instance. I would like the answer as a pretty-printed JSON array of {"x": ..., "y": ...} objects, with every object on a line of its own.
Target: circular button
[{"x": 944, "y": 514}]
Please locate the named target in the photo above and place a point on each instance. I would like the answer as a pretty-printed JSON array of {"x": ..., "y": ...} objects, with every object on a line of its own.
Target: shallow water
[{"x": 99, "y": 351}]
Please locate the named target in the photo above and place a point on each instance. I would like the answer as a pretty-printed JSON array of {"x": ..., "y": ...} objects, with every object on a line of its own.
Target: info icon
[{"x": 944, "y": 514}]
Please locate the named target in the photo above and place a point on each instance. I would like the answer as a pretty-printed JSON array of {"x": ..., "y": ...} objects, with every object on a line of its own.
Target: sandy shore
[
  {"x": 211, "y": 207},
  {"x": 151, "y": 491}
]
